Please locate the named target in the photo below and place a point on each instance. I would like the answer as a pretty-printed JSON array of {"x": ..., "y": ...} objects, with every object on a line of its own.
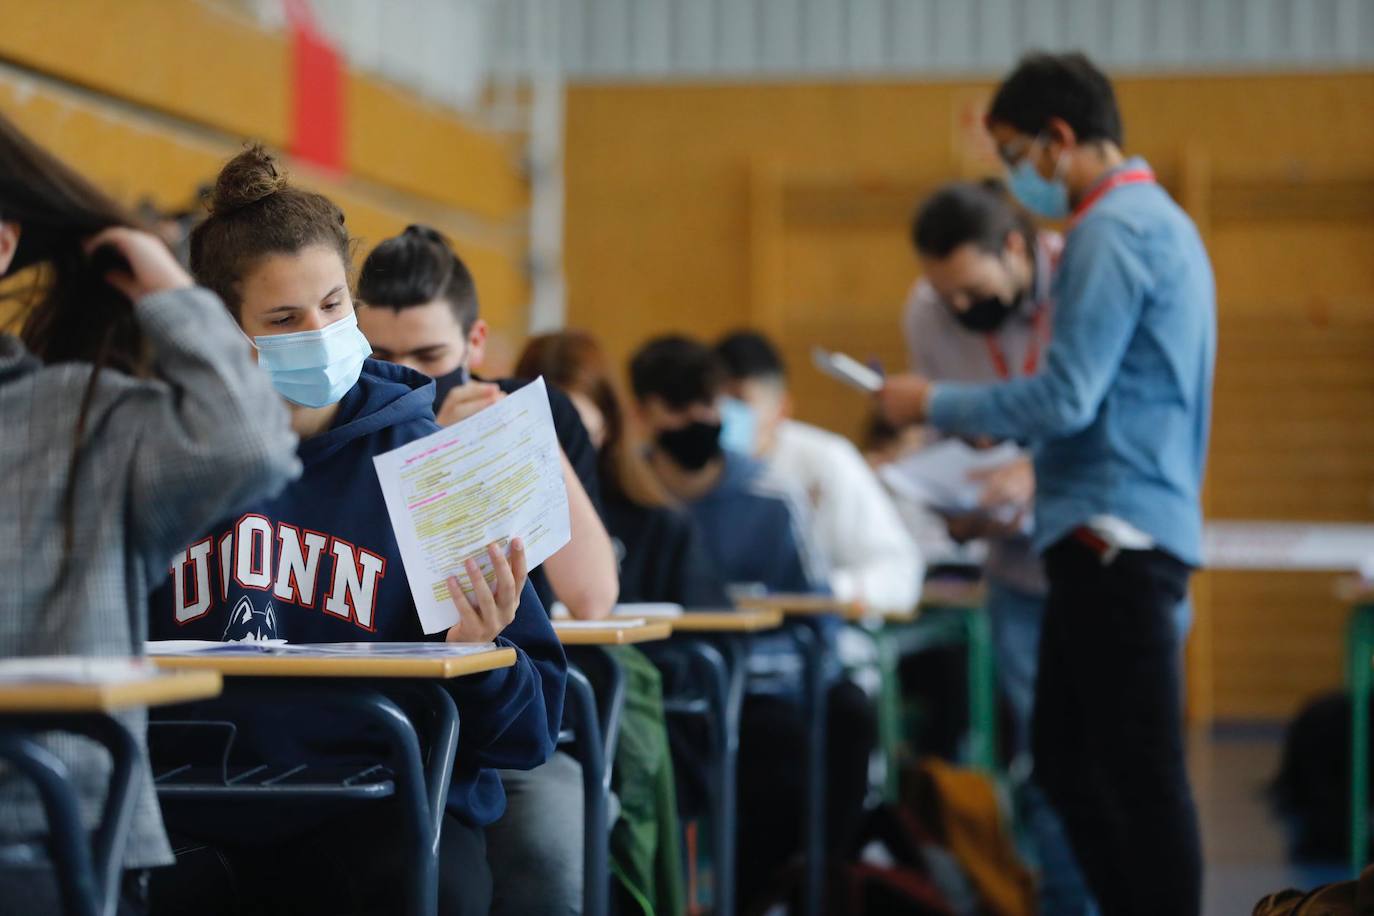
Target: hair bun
[
  {"x": 246, "y": 179},
  {"x": 428, "y": 233}
]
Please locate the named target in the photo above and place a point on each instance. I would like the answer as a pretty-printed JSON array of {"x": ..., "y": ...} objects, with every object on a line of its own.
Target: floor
[{"x": 1243, "y": 843}]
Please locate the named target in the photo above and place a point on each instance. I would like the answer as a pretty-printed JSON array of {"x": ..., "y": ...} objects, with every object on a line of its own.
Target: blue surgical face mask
[
  {"x": 739, "y": 426},
  {"x": 1045, "y": 197},
  {"x": 315, "y": 368}
]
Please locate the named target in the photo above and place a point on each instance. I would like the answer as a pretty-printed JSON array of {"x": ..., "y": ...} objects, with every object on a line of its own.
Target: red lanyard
[
  {"x": 1126, "y": 176},
  {"x": 1039, "y": 325}
]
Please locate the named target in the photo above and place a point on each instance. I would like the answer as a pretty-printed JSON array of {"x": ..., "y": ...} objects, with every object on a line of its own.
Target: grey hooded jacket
[{"x": 160, "y": 459}]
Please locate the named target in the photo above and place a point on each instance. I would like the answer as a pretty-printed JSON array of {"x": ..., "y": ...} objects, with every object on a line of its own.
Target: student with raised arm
[
  {"x": 422, "y": 311},
  {"x": 320, "y": 563},
  {"x": 131, "y": 415}
]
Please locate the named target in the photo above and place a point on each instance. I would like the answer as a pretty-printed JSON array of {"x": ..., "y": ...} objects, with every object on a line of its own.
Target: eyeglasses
[{"x": 1011, "y": 154}]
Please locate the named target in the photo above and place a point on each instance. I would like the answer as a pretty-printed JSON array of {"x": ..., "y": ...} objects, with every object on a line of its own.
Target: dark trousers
[
  {"x": 1108, "y": 727},
  {"x": 348, "y": 865},
  {"x": 772, "y": 785}
]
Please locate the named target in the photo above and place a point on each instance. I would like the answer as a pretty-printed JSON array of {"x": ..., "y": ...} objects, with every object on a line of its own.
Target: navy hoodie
[{"x": 319, "y": 563}]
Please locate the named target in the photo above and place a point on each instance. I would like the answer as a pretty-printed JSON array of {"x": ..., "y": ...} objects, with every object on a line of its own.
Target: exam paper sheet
[
  {"x": 938, "y": 475},
  {"x": 493, "y": 477}
]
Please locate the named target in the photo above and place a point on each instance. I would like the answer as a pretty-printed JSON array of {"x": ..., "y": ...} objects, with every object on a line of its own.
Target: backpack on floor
[
  {"x": 966, "y": 817},
  {"x": 1311, "y": 791}
]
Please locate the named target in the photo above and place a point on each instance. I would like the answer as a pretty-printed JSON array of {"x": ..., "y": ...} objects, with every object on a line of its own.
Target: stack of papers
[
  {"x": 939, "y": 476},
  {"x": 73, "y": 669},
  {"x": 318, "y": 649},
  {"x": 155, "y": 647}
]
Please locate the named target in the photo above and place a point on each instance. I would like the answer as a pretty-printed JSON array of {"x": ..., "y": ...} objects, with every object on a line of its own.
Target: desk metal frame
[
  {"x": 936, "y": 626},
  {"x": 421, "y": 786},
  {"x": 716, "y": 662},
  {"x": 88, "y": 872},
  {"x": 1359, "y": 675},
  {"x": 593, "y": 718}
]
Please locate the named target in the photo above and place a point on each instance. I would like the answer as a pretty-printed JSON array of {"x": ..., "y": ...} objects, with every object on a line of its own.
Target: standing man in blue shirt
[{"x": 1118, "y": 415}]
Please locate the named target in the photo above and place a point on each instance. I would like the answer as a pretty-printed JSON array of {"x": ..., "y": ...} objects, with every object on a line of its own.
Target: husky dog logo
[{"x": 248, "y": 624}]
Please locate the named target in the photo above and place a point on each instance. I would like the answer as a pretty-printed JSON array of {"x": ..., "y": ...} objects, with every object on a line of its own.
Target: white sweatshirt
[{"x": 854, "y": 526}]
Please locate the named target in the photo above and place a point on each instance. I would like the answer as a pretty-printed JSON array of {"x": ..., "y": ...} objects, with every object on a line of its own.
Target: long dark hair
[
  {"x": 575, "y": 362},
  {"x": 71, "y": 313}
]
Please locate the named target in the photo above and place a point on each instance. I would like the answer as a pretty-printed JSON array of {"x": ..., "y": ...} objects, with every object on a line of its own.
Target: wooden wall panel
[
  {"x": 208, "y": 63},
  {"x": 134, "y": 155}
]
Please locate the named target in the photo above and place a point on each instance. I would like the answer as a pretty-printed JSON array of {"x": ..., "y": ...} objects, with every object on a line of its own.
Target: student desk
[
  {"x": 611, "y": 632},
  {"x": 365, "y": 686},
  {"x": 712, "y": 646},
  {"x": 88, "y": 870},
  {"x": 595, "y": 728}
]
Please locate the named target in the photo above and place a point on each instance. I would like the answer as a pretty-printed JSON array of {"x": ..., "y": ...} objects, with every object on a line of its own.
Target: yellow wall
[
  {"x": 700, "y": 208},
  {"x": 149, "y": 97}
]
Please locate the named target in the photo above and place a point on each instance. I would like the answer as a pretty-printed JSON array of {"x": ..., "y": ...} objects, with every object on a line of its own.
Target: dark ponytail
[{"x": 417, "y": 267}]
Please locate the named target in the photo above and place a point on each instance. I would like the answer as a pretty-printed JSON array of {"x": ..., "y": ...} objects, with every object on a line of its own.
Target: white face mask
[{"x": 315, "y": 368}]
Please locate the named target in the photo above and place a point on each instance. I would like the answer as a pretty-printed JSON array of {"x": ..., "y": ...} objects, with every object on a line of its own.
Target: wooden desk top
[
  {"x": 726, "y": 621},
  {"x": 159, "y": 688},
  {"x": 611, "y": 632},
  {"x": 803, "y": 605},
  {"x": 953, "y": 593},
  {"x": 1355, "y": 590},
  {"x": 439, "y": 667}
]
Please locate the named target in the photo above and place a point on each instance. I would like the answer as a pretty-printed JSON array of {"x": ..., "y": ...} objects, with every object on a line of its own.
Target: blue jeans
[{"x": 1016, "y": 617}]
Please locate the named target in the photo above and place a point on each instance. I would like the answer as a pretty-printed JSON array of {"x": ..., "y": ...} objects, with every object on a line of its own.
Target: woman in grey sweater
[{"x": 131, "y": 416}]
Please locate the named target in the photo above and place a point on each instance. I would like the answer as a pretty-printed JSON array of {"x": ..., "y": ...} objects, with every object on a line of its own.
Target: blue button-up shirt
[{"x": 1119, "y": 413}]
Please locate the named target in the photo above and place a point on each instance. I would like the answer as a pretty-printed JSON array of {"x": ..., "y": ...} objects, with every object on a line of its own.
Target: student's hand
[
  {"x": 903, "y": 399},
  {"x": 493, "y": 613},
  {"x": 1010, "y": 484},
  {"x": 466, "y": 400},
  {"x": 965, "y": 528},
  {"x": 152, "y": 268}
]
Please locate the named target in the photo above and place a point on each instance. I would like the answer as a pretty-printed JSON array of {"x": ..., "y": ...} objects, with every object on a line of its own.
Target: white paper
[
  {"x": 495, "y": 476},
  {"x": 598, "y": 624},
  {"x": 938, "y": 475},
  {"x": 659, "y": 609},
  {"x": 73, "y": 669},
  {"x": 847, "y": 369},
  {"x": 157, "y": 647},
  {"x": 389, "y": 649}
]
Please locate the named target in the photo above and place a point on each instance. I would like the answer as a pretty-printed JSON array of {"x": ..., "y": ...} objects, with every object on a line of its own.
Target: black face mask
[
  {"x": 985, "y": 315},
  {"x": 693, "y": 446},
  {"x": 443, "y": 384}
]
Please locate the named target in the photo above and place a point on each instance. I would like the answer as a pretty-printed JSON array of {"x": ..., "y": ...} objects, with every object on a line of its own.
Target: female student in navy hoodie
[{"x": 320, "y": 562}]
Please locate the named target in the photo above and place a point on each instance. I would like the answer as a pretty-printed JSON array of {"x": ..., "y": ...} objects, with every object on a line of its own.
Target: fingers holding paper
[
  {"x": 483, "y": 613},
  {"x": 1010, "y": 484}
]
